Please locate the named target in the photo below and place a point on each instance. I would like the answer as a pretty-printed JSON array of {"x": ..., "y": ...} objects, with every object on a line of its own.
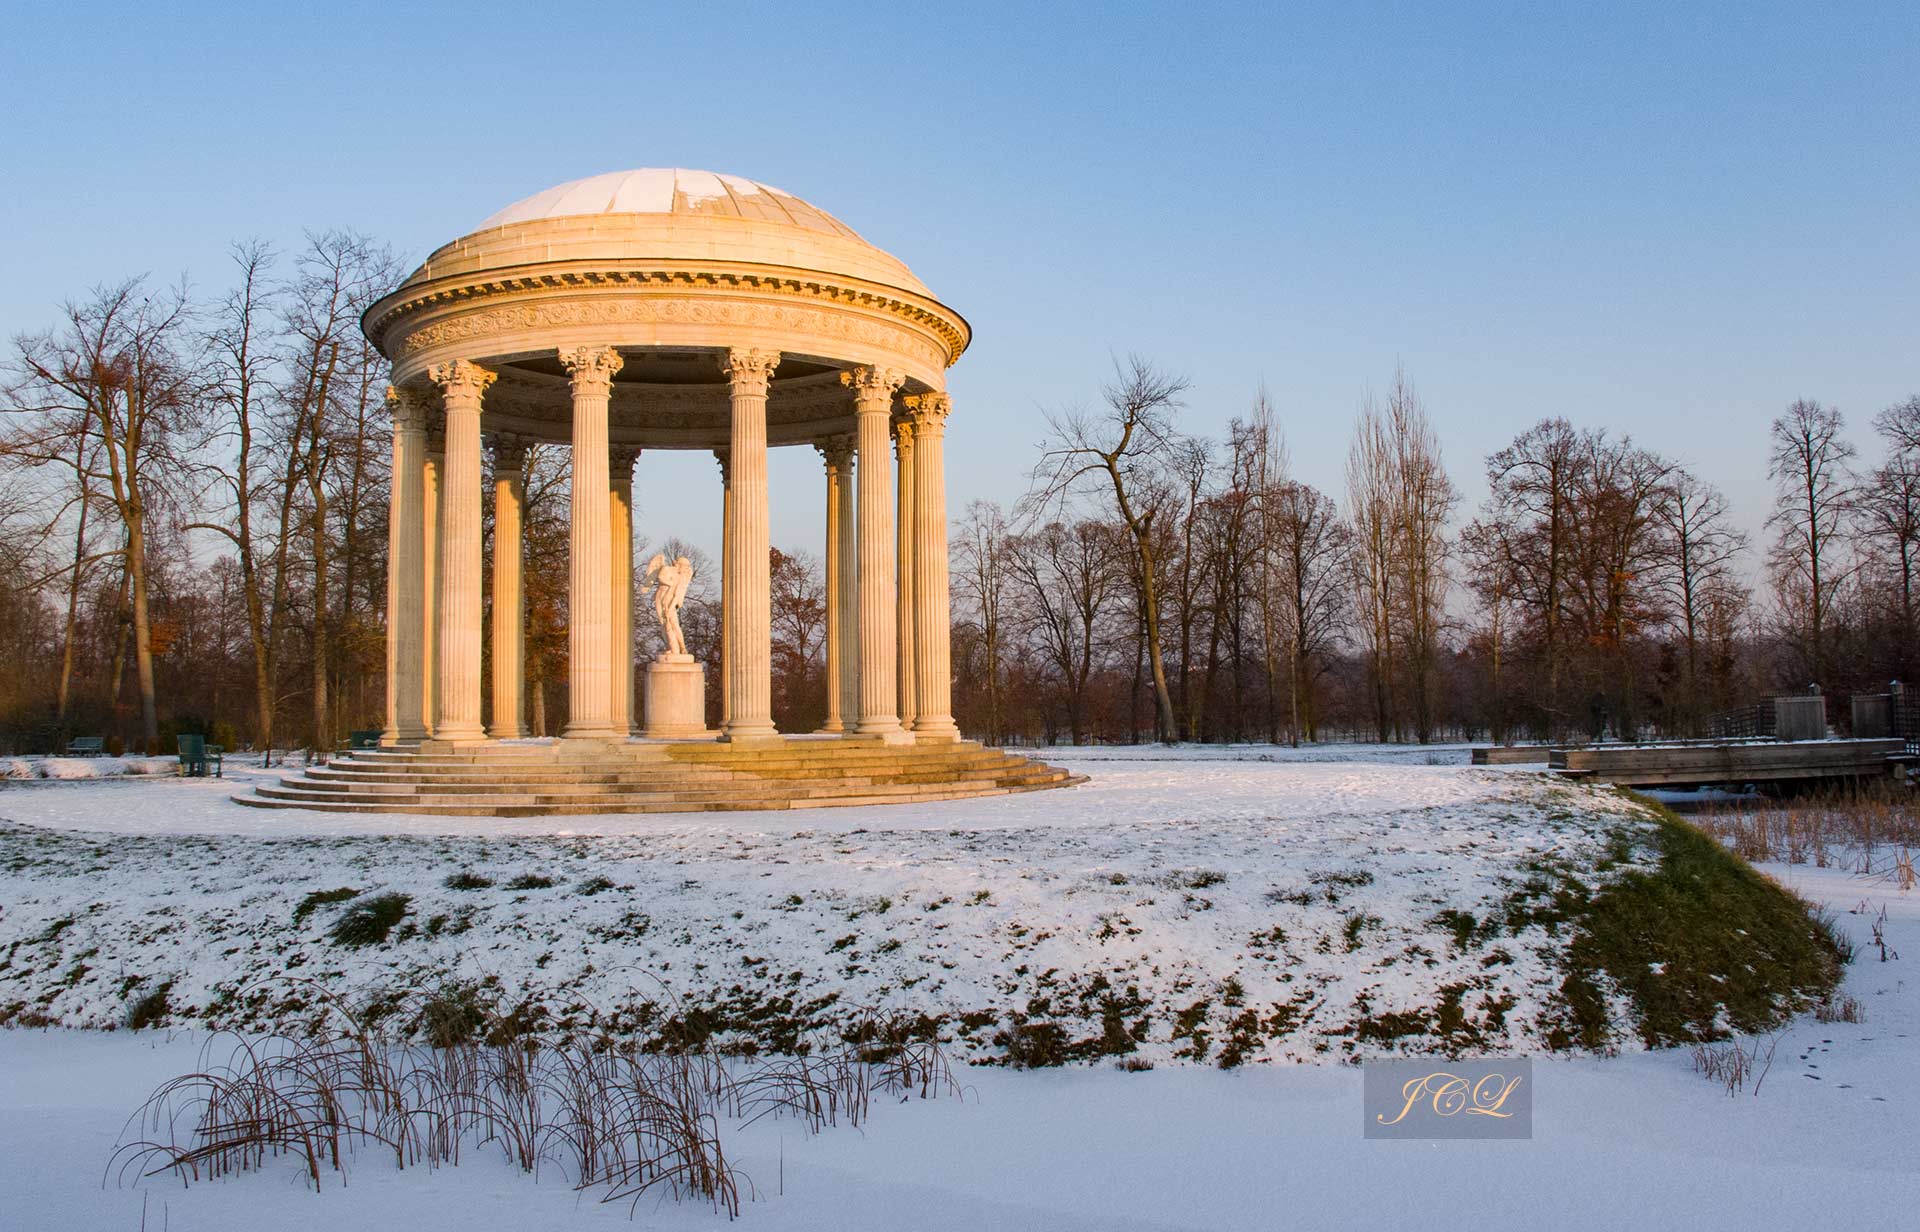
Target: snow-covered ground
[
  {"x": 1277, "y": 910},
  {"x": 1168, "y": 871},
  {"x": 1631, "y": 1142},
  {"x": 18, "y": 768}
]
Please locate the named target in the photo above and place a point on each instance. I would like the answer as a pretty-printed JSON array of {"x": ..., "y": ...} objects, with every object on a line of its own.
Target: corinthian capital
[
  {"x": 872, "y": 385},
  {"x": 509, "y": 452},
  {"x": 620, "y": 460},
  {"x": 929, "y": 410},
  {"x": 409, "y": 408},
  {"x": 903, "y": 437},
  {"x": 837, "y": 450},
  {"x": 591, "y": 368},
  {"x": 461, "y": 381},
  {"x": 749, "y": 369}
]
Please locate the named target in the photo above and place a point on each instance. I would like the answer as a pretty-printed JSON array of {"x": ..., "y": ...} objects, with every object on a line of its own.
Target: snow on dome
[{"x": 670, "y": 190}]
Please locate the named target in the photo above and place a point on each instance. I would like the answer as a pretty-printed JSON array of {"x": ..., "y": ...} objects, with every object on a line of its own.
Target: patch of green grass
[
  {"x": 150, "y": 1009},
  {"x": 322, "y": 898},
  {"x": 530, "y": 881},
  {"x": 468, "y": 880},
  {"x": 1699, "y": 944},
  {"x": 594, "y": 885},
  {"x": 370, "y": 921}
]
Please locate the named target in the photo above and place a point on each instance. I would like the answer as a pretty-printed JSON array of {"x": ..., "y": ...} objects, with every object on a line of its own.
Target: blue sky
[{"x": 1667, "y": 219}]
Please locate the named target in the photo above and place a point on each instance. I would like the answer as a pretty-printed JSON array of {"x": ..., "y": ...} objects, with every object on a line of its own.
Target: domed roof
[
  {"x": 671, "y": 190},
  {"x": 668, "y": 214}
]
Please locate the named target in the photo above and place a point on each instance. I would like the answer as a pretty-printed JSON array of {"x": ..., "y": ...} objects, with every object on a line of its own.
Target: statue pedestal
[{"x": 676, "y": 698}]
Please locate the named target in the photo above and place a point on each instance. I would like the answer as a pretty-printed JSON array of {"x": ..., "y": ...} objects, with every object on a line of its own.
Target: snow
[
  {"x": 1637, "y": 1142},
  {"x": 1204, "y": 888},
  {"x": 166, "y": 878},
  {"x": 18, "y": 768}
]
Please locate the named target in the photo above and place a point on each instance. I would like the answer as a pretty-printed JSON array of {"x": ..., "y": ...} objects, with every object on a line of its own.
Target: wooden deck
[
  {"x": 1511, "y": 755},
  {"x": 1756, "y": 761}
]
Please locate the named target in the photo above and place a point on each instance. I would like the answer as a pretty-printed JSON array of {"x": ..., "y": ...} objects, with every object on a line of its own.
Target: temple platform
[{"x": 558, "y": 777}]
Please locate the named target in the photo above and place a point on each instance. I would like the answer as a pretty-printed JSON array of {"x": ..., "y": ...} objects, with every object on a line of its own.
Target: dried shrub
[
  {"x": 370, "y": 921},
  {"x": 606, "y": 1114}
]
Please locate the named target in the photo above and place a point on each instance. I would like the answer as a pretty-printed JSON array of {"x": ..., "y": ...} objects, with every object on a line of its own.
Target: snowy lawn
[
  {"x": 19, "y": 768},
  {"x": 1631, "y": 1142},
  {"x": 1200, "y": 910}
]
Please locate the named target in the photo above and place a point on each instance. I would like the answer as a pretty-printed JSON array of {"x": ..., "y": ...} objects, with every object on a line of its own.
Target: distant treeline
[{"x": 193, "y": 503}]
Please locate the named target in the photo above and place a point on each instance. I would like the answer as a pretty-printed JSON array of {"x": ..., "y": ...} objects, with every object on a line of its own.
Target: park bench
[
  {"x": 197, "y": 757},
  {"x": 87, "y": 746},
  {"x": 369, "y": 739}
]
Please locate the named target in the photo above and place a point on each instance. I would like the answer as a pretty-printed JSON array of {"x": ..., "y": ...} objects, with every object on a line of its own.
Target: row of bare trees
[
  {"x": 1157, "y": 585},
  {"x": 144, "y": 421},
  {"x": 192, "y": 537}
]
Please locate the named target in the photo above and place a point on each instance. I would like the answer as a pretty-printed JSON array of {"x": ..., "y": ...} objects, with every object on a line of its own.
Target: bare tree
[
  {"x": 118, "y": 369},
  {"x": 1123, "y": 449},
  {"x": 1069, "y": 577},
  {"x": 1533, "y": 482},
  {"x": 980, "y": 577},
  {"x": 1313, "y": 551},
  {"x": 1809, "y": 465},
  {"x": 1889, "y": 513},
  {"x": 1423, "y": 498},
  {"x": 1702, "y": 546}
]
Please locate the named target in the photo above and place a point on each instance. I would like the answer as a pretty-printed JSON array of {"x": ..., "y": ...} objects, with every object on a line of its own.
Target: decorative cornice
[
  {"x": 953, "y": 337},
  {"x": 591, "y": 369}
]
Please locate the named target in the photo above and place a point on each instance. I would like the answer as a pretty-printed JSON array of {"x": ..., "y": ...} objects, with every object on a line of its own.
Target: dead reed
[
  {"x": 596, "y": 1109},
  {"x": 1734, "y": 1064},
  {"x": 1871, "y": 830}
]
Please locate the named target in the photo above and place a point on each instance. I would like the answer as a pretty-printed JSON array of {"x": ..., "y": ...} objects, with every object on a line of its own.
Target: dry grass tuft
[
  {"x": 1734, "y": 1064},
  {"x": 595, "y": 1108}
]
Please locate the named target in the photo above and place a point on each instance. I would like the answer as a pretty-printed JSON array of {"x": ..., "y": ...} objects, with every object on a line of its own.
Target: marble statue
[{"x": 670, "y": 581}]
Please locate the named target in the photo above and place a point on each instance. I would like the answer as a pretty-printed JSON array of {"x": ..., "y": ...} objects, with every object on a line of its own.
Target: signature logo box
[{"x": 1491, "y": 1098}]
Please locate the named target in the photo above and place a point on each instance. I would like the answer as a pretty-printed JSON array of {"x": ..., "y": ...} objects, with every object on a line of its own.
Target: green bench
[
  {"x": 198, "y": 758},
  {"x": 87, "y": 746},
  {"x": 364, "y": 739}
]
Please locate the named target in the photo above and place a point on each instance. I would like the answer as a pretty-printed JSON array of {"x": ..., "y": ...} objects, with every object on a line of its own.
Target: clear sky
[{"x": 1669, "y": 219}]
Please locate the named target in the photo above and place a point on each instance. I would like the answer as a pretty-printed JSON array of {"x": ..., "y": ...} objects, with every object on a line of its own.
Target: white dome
[{"x": 670, "y": 190}]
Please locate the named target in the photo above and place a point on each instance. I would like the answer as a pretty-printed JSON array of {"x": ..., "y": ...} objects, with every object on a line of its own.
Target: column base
[
  {"x": 507, "y": 733},
  {"x": 762, "y": 732},
  {"x": 603, "y": 732},
  {"x": 888, "y": 730},
  {"x": 447, "y": 742},
  {"x": 936, "y": 729},
  {"x": 832, "y": 727}
]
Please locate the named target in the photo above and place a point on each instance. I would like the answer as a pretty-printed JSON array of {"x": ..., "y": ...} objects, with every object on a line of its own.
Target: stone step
[
  {"x": 393, "y": 793},
  {"x": 494, "y": 808}
]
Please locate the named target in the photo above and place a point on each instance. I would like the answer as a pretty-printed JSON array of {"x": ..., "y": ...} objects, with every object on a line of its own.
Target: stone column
[
  {"x": 430, "y": 571},
  {"x": 903, "y": 537},
  {"x": 933, "y": 664},
  {"x": 749, "y": 607},
  {"x": 462, "y": 385},
  {"x": 620, "y": 513},
  {"x": 509, "y": 599},
  {"x": 726, "y": 565},
  {"x": 848, "y": 600},
  {"x": 837, "y": 453},
  {"x": 590, "y": 549},
  {"x": 406, "y": 572},
  {"x": 872, "y": 410}
]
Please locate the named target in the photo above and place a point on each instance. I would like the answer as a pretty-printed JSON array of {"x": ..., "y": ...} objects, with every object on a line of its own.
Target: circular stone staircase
[{"x": 544, "y": 778}]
